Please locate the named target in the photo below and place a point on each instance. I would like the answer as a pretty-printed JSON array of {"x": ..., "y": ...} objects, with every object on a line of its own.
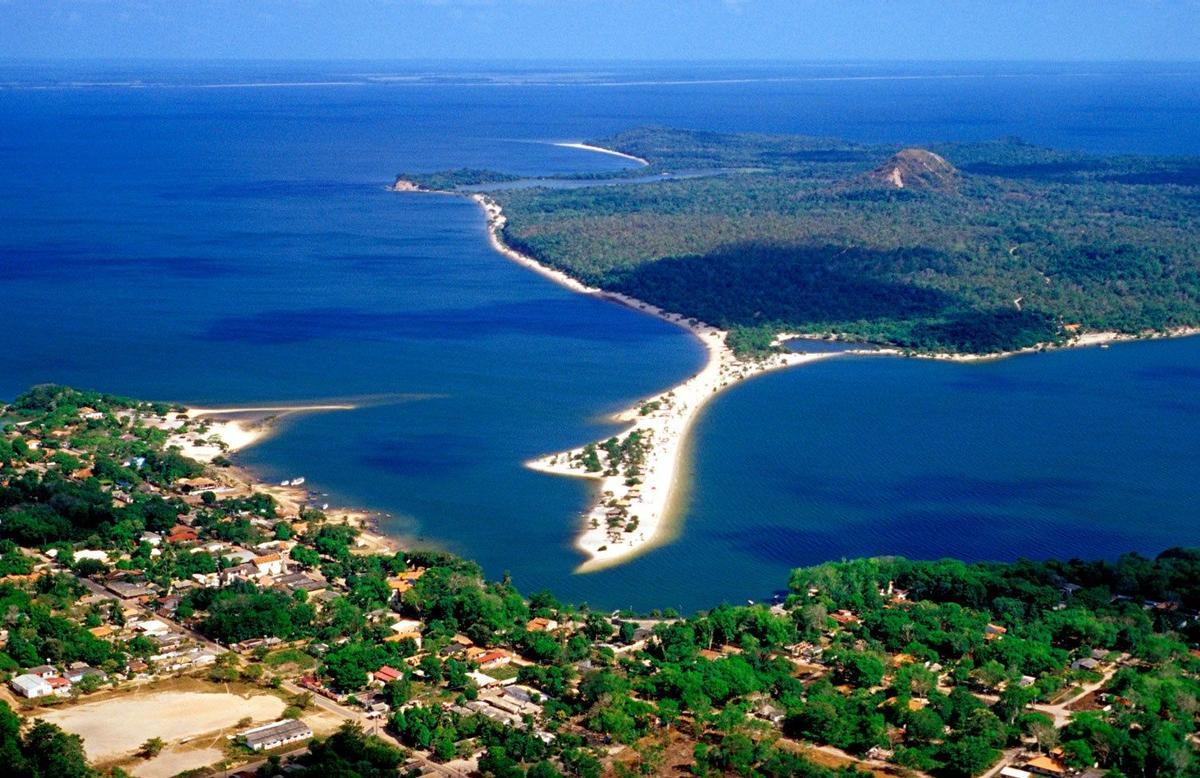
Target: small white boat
[{"x": 297, "y": 481}]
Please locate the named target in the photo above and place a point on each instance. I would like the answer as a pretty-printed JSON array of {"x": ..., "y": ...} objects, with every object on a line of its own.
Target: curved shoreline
[
  {"x": 630, "y": 516},
  {"x": 226, "y": 436},
  {"x": 601, "y": 150},
  {"x": 237, "y": 434},
  {"x": 603, "y": 539},
  {"x": 628, "y": 519}
]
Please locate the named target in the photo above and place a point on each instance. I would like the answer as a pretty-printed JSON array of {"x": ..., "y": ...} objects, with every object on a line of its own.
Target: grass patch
[
  {"x": 289, "y": 656},
  {"x": 502, "y": 673}
]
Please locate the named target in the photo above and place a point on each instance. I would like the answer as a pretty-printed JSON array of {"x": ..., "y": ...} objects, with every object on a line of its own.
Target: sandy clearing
[
  {"x": 174, "y": 761},
  {"x": 117, "y": 727}
]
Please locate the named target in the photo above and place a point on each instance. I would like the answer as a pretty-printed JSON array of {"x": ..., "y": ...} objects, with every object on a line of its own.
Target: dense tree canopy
[{"x": 796, "y": 234}]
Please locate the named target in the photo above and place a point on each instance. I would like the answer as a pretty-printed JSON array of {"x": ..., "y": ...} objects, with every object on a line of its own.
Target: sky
[{"x": 679, "y": 30}]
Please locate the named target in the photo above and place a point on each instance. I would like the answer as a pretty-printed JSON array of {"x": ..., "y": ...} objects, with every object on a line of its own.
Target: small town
[{"x": 170, "y": 617}]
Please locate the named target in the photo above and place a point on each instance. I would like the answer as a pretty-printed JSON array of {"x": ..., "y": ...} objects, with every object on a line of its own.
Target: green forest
[{"x": 1015, "y": 246}]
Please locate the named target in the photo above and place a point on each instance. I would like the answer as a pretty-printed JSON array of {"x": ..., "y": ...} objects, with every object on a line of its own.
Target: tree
[
  {"x": 990, "y": 675},
  {"x": 969, "y": 756},
  {"x": 52, "y": 753},
  {"x": 597, "y": 627},
  {"x": 350, "y": 751},
  {"x": 152, "y": 747},
  {"x": 860, "y": 669}
]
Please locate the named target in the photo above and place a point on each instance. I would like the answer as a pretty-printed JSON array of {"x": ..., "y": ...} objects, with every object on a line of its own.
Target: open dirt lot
[{"x": 118, "y": 726}]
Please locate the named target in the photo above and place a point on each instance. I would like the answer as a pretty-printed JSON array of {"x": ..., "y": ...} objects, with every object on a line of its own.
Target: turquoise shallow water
[{"x": 237, "y": 245}]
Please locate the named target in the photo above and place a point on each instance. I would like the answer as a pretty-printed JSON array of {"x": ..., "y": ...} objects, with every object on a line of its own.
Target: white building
[
  {"x": 275, "y": 735},
  {"x": 152, "y": 627},
  {"x": 31, "y": 686},
  {"x": 269, "y": 564}
]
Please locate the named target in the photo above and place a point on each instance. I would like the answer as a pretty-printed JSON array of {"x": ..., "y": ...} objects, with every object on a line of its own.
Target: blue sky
[{"x": 604, "y": 29}]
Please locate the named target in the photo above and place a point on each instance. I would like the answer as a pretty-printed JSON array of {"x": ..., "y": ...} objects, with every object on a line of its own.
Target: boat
[{"x": 297, "y": 481}]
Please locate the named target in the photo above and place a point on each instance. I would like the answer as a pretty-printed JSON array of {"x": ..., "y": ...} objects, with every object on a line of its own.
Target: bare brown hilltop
[{"x": 916, "y": 169}]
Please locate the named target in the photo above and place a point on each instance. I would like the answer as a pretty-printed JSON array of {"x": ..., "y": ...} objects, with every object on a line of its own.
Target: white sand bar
[
  {"x": 627, "y": 520},
  {"x": 602, "y": 150},
  {"x": 664, "y": 420}
]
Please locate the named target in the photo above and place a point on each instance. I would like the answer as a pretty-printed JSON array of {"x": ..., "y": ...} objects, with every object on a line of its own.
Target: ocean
[{"x": 222, "y": 234}]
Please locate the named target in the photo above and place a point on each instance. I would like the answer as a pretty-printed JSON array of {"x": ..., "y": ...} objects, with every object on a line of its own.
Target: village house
[
  {"x": 494, "y": 658},
  {"x": 269, "y": 564},
  {"x": 151, "y": 627},
  {"x": 406, "y": 629},
  {"x": 80, "y": 670},
  {"x": 200, "y": 484},
  {"x": 385, "y": 675},
  {"x": 1044, "y": 764},
  {"x": 94, "y": 554},
  {"x": 127, "y": 590},
  {"x": 59, "y": 685},
  {"x": 207, "y": 580},
  {"x": 295, "y": 582},
  {"x": 844, "y": 617},
  {"x": 181, "y": 534},
  {"x": 243, "y": 572}
]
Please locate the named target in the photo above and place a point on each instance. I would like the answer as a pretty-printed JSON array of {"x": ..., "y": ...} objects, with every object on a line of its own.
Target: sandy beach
[
  {"x": 1096, "y": 339},
  {"x": 224, "y": 435},
  {"x": 629, "y": 518},
  {"x": 228, "y": 435},
  {"x": 602, "y": 150}
]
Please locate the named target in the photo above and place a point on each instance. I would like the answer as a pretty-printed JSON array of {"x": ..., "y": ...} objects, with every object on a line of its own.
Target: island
[
  {"x": 955, "y": 251},
  {"x": 167, "y": 616}
]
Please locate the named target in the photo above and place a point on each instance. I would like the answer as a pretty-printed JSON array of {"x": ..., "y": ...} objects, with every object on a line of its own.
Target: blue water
[{"x": 167, "y": 233}]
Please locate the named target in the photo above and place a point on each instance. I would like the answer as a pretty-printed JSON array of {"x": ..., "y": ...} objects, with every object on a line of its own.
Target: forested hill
[{"x": 1006, "y": 246}]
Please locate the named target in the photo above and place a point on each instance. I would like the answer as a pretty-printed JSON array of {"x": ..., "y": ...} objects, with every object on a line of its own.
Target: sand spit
[
  {"x": 632, "y": 509},
  {"x": 631, "y": 512},
  {"x": 602, "y": 150}
]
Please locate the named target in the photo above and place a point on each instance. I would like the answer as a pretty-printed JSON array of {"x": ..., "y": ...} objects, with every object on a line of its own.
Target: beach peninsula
[
  {"x": 638, "y": 470},
  {"x": 960, "y": 251}
]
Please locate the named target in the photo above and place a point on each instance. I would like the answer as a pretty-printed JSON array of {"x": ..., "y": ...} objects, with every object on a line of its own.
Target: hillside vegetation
[{"x": 957, "y": 247}]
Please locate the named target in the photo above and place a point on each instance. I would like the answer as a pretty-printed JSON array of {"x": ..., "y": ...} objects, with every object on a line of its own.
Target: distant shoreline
[
  {"x": 1080, "y": 340},
  {"x": 601, "y": 150}
]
